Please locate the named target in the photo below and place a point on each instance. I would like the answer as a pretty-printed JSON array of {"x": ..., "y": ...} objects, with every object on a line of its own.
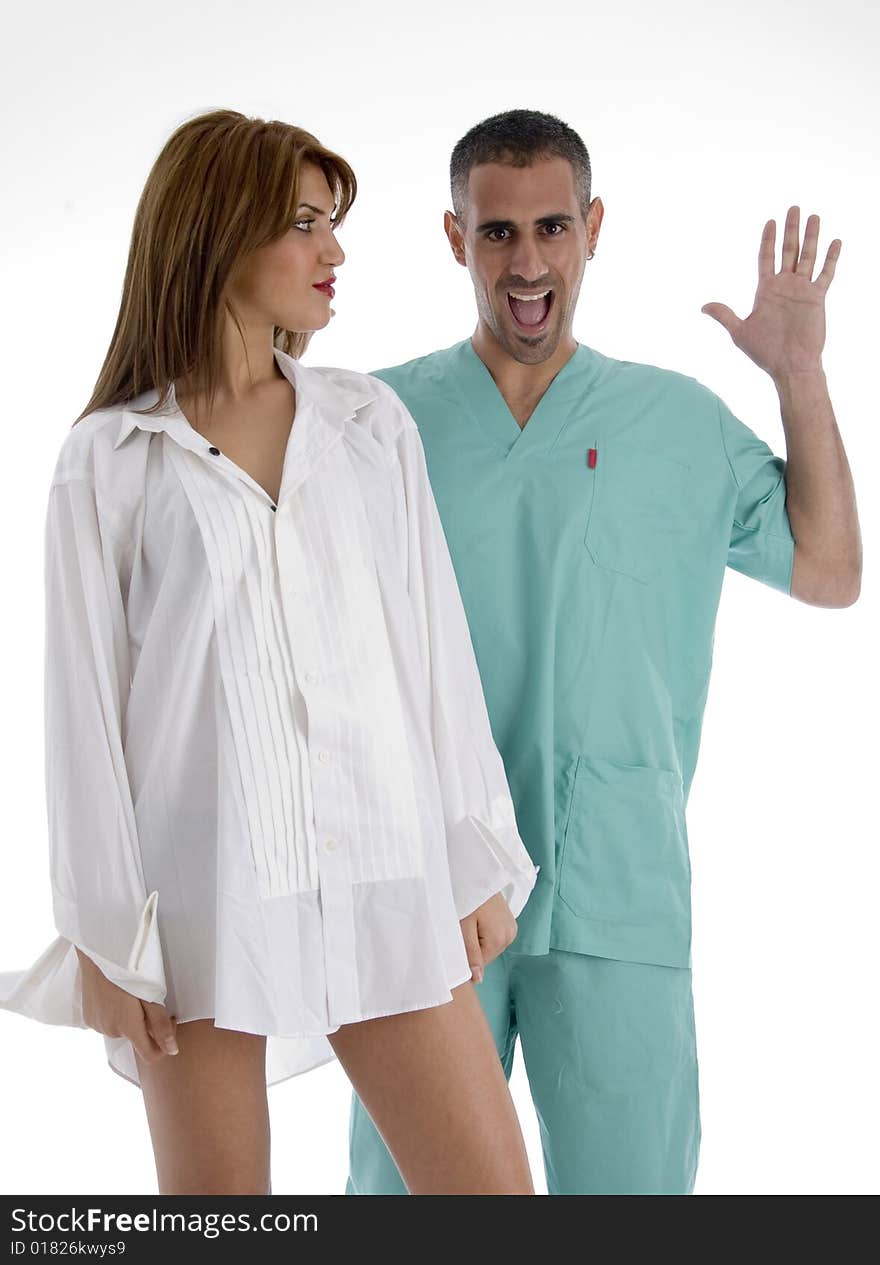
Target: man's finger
[
  {"x": 790, "y": 239},
  {"x": 767, "y": 250},
  {"x": 724, "y": 315},
  {"x": 808, "y": 250},
  {"x": 824, "y": 277}
]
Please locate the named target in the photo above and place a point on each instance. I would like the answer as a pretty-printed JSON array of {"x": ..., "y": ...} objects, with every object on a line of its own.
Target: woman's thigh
[
  {"x": 433, "y": 1084},
  {"x": 208, "y": 1112}
]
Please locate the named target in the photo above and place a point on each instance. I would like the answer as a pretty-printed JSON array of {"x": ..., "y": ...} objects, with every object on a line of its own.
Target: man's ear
[
  {"x": 594, "y": 219},
  {"x": 456, "y": 238}
]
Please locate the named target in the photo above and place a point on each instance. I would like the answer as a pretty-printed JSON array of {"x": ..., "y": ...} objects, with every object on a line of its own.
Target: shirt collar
[
  {"x": 563, "y": 399},
  {"x": 335, "y": 402}
]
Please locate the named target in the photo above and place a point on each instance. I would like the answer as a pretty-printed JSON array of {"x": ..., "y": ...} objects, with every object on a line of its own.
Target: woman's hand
[
  {"x": 112, "y": 1011},
  {"x": 487, "y": 932}
]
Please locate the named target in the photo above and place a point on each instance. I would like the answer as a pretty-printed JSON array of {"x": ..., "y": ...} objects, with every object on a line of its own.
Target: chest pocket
[{"x": 640, "y": 509}]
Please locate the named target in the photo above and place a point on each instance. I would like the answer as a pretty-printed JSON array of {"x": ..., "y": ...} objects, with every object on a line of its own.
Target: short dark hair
[{"x": 518, "y": 137}]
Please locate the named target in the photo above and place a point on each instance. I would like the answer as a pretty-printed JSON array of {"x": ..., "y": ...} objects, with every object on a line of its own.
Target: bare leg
[
  {"x": 434, "y": 1085},
  {"x": 208, "y": 1114}
]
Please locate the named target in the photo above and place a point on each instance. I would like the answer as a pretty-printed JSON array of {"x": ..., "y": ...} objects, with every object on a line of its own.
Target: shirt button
[
  {"x": 331, "y": 845},
  {"x": 215, "y": 452},
  {"x": 274, "y": 507},
  {"x": 323, "y": 756},
  {"x": 311, "y": 677}
]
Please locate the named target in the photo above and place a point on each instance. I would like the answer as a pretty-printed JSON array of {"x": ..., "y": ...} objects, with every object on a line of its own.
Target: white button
[
  {"x": 330, "y": 845},
  {"x": 323, "y": 756},
  {"x": 311, "y": 677}
]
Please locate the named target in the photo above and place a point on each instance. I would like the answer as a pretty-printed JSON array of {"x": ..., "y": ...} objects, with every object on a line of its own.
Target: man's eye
[
  {"x": 561, "y": 228},
  {"x": 491, "y": 234}
]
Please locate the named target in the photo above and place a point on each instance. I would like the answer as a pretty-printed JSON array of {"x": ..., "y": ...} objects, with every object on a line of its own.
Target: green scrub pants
[{"x": 610, "y": 1054}]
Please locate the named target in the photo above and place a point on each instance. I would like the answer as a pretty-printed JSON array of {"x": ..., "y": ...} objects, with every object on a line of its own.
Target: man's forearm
[{"x": 820, "y": 497}]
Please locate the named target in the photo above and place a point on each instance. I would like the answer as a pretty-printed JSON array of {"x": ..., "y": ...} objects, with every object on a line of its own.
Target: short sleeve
[{"x": 761, "y": 541}]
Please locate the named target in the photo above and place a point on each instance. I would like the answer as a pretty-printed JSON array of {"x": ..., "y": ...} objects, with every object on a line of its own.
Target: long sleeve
[
  {"x": 485, "y": 852},
  {"x": 99, "y": 896}
]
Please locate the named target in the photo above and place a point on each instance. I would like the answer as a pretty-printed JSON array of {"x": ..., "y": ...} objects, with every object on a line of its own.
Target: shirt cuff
[
  {"x": 51, "y": 989},
  {"x": 484, "y": 860},
  {"x": 144, "y": 973}
]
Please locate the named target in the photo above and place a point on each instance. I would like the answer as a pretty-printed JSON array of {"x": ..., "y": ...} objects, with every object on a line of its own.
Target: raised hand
[{"x": 785, "y": 330}]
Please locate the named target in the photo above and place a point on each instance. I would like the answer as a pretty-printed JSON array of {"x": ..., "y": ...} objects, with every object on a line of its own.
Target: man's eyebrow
[{"x": 557, "y": 218}]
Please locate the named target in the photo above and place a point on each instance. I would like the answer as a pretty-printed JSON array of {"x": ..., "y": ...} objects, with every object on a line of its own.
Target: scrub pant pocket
[{"x": 610, "y": 1054}]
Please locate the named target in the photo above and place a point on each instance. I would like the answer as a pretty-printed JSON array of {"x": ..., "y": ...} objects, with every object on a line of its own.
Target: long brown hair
[{"x": 223, "y": 185}]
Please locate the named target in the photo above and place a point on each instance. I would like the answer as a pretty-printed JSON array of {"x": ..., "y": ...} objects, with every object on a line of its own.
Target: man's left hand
[{"x": 785, "y": 331}]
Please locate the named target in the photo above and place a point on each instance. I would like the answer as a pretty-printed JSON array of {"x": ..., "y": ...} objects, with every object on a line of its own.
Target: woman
[{"x": 280, "y": 831}]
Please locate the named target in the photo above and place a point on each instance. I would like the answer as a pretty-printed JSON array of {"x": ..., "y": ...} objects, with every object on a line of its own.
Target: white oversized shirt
[{"x": 272, "y": 786}]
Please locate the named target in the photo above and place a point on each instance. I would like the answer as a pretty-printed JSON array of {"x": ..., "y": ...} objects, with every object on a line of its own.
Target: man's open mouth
[{"x": 530, "y": 311}]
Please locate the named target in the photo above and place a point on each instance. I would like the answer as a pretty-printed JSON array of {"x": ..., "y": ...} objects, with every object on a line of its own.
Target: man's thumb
[{"x": 723, "y": 314}]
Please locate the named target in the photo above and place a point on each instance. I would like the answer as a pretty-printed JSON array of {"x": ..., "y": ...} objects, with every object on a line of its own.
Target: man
[{"x": 591, "y": 506}]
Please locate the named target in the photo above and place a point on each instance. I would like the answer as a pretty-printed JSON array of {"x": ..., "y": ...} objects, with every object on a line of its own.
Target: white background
[{"x": 701, "y": 124}]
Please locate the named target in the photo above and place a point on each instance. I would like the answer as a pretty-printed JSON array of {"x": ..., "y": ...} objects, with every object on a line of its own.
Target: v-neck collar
[{"x": 484, "y": 402}]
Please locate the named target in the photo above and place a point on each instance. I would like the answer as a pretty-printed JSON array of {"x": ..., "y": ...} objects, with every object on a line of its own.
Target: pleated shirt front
[{"x": 273, "y": 789}]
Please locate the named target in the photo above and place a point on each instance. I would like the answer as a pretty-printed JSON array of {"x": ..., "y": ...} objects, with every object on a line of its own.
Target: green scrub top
[{"x": 590, "y": 549}]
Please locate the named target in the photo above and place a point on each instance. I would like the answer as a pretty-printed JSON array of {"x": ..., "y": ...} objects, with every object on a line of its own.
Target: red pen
[{"x": 591, "y": 458}]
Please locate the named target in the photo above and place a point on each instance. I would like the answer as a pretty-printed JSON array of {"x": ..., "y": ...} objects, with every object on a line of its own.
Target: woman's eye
[{"x": 303, "y": 224}]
